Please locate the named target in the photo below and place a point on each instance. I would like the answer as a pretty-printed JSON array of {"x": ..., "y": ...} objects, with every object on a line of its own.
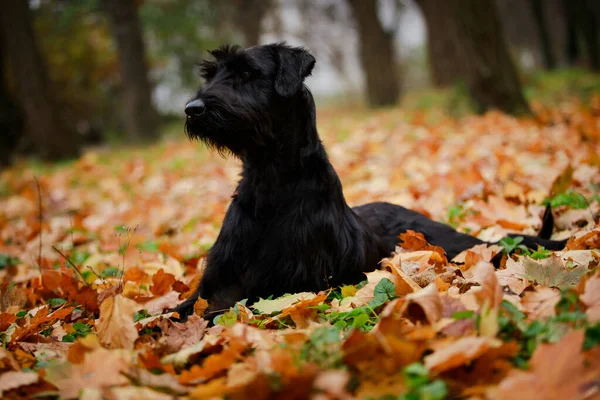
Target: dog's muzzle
[{"x": 194, "y": 109}]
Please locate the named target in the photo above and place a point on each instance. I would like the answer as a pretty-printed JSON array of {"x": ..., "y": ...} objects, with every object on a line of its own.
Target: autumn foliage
[{"x": 91, "y": 261}]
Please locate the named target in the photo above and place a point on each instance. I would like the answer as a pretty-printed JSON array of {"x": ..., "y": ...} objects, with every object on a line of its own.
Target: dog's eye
[{"x": 246, "y": 75}]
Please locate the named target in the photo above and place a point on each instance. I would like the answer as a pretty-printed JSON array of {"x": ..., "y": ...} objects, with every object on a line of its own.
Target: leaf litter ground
[{"x": 124, "y": 234}]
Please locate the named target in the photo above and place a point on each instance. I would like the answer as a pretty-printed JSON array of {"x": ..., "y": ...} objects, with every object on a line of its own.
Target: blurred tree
[
  {"x": 77, "y": 46},
  {"x": 481, "y": 50},
  {"x": 179, "y": 31},
  {"x": 537, "y": 10},
  {"x": 141, "y": 118},
  {"x": 10, "y": 116},
  {"x": 376, "y": 53},
  {"x": 582, "y": 21},
  {"x": 248, "y": 17},
  {"x": 447, "y": 66},
  {"x": 50, "y": 137}
]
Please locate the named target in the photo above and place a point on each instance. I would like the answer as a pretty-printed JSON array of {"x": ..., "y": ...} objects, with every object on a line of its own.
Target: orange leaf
[{"x": 162, "y": 283}]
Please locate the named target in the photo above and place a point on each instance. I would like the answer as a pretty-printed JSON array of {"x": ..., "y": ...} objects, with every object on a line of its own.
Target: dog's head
[{"x": 233, "y": 110}]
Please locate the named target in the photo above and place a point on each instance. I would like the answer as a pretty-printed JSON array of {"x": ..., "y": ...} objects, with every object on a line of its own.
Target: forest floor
[{"x": 122, "y": 235}]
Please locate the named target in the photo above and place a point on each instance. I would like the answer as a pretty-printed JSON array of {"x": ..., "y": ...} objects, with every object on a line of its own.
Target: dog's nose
[{"x": 195, "y": 108}]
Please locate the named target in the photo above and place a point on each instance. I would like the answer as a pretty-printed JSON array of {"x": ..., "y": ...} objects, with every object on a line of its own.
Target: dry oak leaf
[
  {"x": 115, "y": 327},
  {"x": 591, "y": 298},
  {"x": 459, "y": 353},
  {"x": 101, "y": 368},
  {"x": 14, "y": 379},
  {"x": 557, "y": 371}
]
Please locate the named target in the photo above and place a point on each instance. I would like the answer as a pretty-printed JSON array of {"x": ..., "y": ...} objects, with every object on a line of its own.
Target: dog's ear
[{"x": 294, "y": 64}]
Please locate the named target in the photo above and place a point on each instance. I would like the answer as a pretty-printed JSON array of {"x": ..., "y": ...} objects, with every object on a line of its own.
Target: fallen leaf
[
  {"x": 591, "y": 298},
  {"x": 557, "y": 371},
  {"x": 162, "y": 282},
  {"x": 14, "y": 379},
  {"x": 540, "y": 303},
  {"x": 459, "y": 353},
  {"x": 115, "y": 326},
  {"x": 271, "y": 306},
  {"x": 101, "y": 368}
]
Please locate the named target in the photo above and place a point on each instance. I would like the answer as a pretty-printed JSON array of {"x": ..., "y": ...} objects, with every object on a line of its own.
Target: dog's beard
[{"x": 230, "y": 133}]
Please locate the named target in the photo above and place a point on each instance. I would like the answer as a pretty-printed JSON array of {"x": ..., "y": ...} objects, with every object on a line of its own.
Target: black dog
[{"x": 288, "y": 228}]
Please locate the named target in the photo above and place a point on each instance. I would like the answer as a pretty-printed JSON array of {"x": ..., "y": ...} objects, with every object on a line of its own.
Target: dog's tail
[{"x": 547, "y": 227}]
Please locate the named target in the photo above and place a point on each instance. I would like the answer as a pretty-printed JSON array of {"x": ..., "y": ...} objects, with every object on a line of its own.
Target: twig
[
  {"x": 95, "y": 273},
  {"x": 71, "y": 264}
]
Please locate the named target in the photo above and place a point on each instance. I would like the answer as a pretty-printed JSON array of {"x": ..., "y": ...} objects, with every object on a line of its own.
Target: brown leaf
[
  {"x": 15, "y": 379},
  {"x": 214, "y": 364},
  {"x": 115, "y": 327},
  {"x": 182, "y": 335},
  {"x": 413, "y": 241},
  {"x": 101, "y": 368},
  {"x": 557, "y": 371},
  {"x": 562, "y": 181},
  {"x": 459, "y": 353},
  {"x": 162, "y": 283},
  {"x": 5, "y": 320},
  {"x": 540, "y": 304},
  {"x": 591, "y": 298},
  {"x": 425, "y": 304},
  {"x": 200, "y": 306}
]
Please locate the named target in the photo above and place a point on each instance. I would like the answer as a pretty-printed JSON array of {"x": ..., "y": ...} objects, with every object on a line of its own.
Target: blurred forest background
[{"x": 76, "y": 73}]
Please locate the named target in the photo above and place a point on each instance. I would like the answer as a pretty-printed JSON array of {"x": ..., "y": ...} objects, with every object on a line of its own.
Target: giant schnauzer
[{"x": 288, "y": 228}]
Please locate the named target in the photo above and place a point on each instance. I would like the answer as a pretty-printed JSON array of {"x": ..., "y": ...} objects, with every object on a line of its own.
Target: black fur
[{"x": 288, "y": 228}]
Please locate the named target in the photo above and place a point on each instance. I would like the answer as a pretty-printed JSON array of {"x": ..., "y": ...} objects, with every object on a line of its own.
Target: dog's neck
[{"x": 297, "y": 155}]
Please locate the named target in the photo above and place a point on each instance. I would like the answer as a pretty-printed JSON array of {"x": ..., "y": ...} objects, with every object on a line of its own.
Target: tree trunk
[
  {"x": 537, "y": 9},
  {"x": 443, "y": 46},
  {"x": 249, "y": 15},
  {"x": 376, "y": 52},
  {"x": 140, "y": 116},
  {"x": 481, "y": 48},
  {"x": 51, "y": 138}
]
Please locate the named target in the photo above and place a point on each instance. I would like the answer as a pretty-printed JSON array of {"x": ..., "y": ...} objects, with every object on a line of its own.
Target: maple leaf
[
  {"x": 541, "y": 303},
  {"x": 182, "y": 335},
  {"x": 100, "y": 368},
  {"x": 162, "y": 282},
  {"x": 115, "y": 327},
  {"x": 557, "y": 371},
  {"x": 552, "y": 272}
]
